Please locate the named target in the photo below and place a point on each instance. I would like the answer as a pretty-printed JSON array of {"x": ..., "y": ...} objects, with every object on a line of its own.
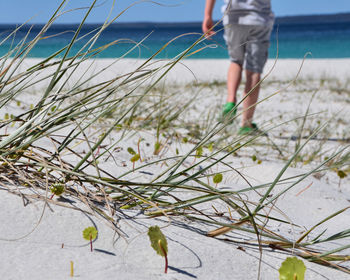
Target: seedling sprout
[
  {"x": 159, "y": 243},
  {"x": 90, "y": 233}
]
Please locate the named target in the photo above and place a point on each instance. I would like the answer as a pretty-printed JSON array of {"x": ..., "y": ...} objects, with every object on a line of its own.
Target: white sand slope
[{"x": 191, "y": 254}]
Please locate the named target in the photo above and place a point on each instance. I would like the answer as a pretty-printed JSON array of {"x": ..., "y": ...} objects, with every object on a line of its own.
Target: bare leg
[
  {"x": 252, "y": 80},
  {"x": 234, "y": 76}
]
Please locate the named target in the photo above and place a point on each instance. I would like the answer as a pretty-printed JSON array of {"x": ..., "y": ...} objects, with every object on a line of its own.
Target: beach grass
[{"x": 136, "y": 143}]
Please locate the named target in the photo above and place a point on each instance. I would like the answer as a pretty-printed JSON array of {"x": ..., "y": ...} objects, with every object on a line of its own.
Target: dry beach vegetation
[{"x": 125, "y": 145}]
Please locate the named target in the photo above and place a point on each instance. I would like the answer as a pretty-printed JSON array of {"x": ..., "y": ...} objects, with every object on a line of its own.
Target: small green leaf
[
  {"x": 53, "y": 108},
  {"x": 199, "y": 151},
  {"x": 7, "y": 116},
  {"x": 57, "y": 189},
  {"x": 158, "y": 240},
  {"x": 18, "y": 103},
  {"x": 129, "y": 121},
  {"x": 292, "y": 269},
  {"x": 229, "y": 149},
  {"x": 90, "y": 233},
  {"x": 102, "y": 135},
  {"x": 135, "y": 158},
  {"x": 177, "y": 151},
  {"x": 254, "y": 158},
  {"x": 217, "y": 178},
  {"x": 131, "y": 151},
  {"x": 31, "y": 106},
  {"x": 185, "y": 140},
  {"x": 12, "y": 156},
  {"x": 210, "y": 147},
  {"x": 341, "y": 174},
  {"x": 118, "y": 127},
  {"x": 238, "y": 145},
  {"x": 259, "y": 161}
]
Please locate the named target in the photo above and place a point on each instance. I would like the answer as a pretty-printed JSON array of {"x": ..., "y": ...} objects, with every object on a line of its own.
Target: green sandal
[
  {"x": 228, "y": 112},
  {"x": 253, "y": 130}
]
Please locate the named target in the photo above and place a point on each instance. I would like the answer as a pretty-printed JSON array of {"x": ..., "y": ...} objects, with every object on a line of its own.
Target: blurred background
[{"x": 317, "y": 26}]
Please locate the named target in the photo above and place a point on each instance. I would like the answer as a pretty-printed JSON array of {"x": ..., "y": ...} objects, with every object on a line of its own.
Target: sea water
[{"x": 142, "y": 40}]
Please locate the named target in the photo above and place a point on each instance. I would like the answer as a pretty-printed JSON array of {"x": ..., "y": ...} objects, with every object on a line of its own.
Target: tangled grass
[{"x": 72, "y": 138}]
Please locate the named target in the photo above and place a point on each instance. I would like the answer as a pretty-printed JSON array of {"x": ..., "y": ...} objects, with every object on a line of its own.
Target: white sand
[
  {"x": 216, "y": 69},
  {"x": 192, "y": 255}
]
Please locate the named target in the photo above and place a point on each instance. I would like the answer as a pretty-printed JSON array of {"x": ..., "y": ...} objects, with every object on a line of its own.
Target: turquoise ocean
[{"x": 322, "y": 36}]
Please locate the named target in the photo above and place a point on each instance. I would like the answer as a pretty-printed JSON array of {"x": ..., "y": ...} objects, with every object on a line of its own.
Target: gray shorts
[{"x": 248, "y": 45}]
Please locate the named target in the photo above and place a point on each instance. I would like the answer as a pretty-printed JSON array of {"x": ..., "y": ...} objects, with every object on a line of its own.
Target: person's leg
[
  {"x": 256, "y": 56},
  {"x": 252, "y": 88},
  {"x": 234, "y": 77},
  {"x": 235, "y": 41}
]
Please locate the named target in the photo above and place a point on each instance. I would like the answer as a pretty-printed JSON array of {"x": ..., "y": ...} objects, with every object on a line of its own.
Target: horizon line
[{"x": 184, "y": 22}]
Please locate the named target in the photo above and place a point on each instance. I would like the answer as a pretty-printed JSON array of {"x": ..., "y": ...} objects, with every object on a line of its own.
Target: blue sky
[{"x": 18, "y": 11}]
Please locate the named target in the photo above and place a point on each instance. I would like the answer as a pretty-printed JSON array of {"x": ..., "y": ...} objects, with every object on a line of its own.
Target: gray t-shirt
[{"x": 248, "y": 12}]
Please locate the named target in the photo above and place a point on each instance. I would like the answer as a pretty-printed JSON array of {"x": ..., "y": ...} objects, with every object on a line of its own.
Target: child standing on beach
[{"x": 248, "y": 25}]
